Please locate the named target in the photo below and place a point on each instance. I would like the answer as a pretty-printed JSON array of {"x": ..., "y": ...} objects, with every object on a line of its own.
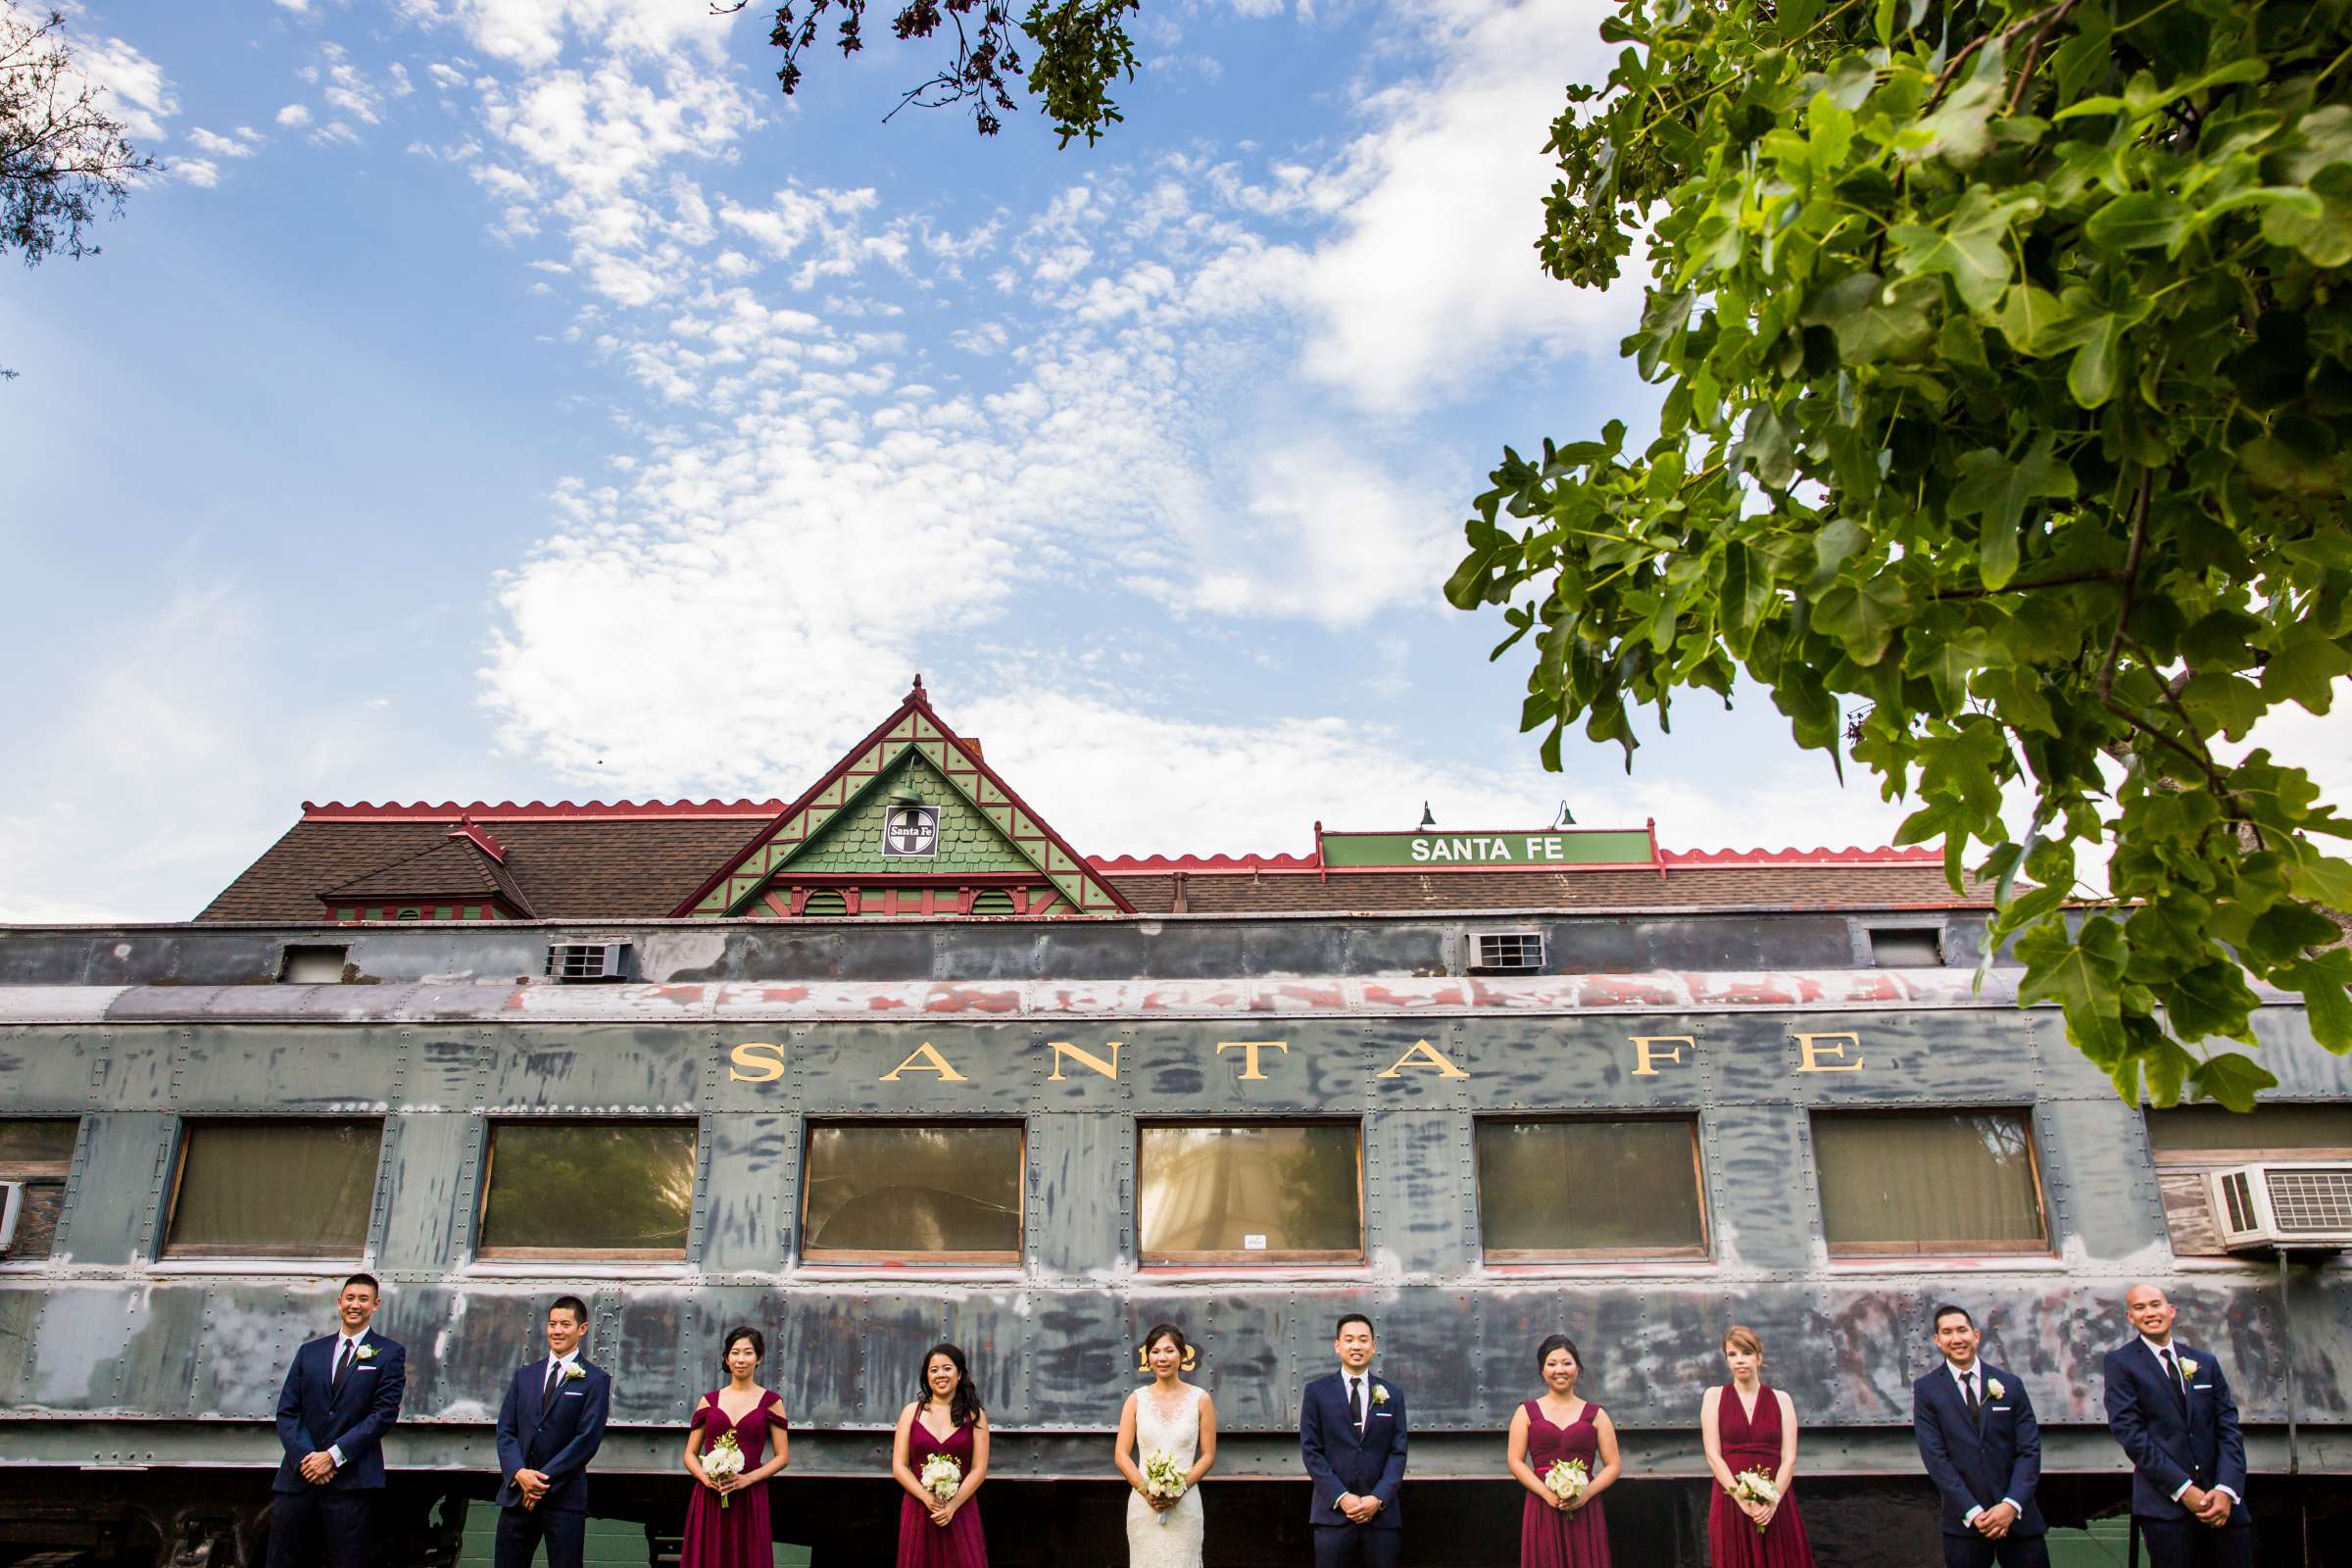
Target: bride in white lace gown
[{"x": 1167, "y": 1415}]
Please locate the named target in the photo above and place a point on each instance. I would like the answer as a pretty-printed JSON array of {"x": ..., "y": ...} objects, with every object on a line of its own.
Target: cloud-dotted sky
[{"x": 518, "y": 398}]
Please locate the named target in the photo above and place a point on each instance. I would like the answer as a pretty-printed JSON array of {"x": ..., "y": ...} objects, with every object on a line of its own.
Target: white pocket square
[
  {"x": 2200, "y": 1385},
  {"x": 573, "y": 1394}
]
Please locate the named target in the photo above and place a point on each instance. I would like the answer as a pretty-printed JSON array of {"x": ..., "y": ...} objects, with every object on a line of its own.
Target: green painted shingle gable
[{"x": 853, "y": 841}]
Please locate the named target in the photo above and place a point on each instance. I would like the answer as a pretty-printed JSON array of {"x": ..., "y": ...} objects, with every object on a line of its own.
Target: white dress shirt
[
  {"x": 1961, "y": 1375},
  {"x": 2170, "y": 1358}
]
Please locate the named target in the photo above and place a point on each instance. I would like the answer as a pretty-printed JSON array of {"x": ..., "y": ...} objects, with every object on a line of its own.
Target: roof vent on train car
[
  {"x": 581, "y": 961},
  {"x": 12, "y": 1200},
  {"x": 2283, "y": 1206},
  {"x": 1506, "y": 952},
  {"x": 1906, "y": 946}
]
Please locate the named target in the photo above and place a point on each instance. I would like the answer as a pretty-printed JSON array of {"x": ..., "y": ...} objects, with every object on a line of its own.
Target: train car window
[
  {"x": 922, "y": 1192},
  {"x": 1252, "y": 1193},
  {"x": 1636, "y": 1180},
  {"x": 1906, "y": 1182},
  {"x": 606, "y": 1188},
  {"x": 2190, "y": 1141},
  {"x": 2209, "y": 1134},
  {"x": 37, "y": 1153},
  {"x": 274, "y": 1188}
]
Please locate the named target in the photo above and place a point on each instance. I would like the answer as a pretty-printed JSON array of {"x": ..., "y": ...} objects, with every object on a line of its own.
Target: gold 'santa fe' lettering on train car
[{"x": 762, "y": 1061}]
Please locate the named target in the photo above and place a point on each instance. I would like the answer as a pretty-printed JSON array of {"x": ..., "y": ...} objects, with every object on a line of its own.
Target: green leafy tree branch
[{"x": 2006, "y": 437}]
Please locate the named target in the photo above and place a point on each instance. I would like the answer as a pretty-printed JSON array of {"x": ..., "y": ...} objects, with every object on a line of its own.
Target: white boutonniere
[
  {"x": 1380, "y": 1395},
  {"x": 365, "y": 1352},
  {"x": 2189, "y": 1368},
  {"x": 575, "y": 1372},
  {"x": 1993, "y": 1385}
]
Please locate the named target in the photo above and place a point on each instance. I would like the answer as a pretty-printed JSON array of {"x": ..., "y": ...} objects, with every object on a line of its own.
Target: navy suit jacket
[
  {"x": 313, "y": 1415},
  {"x": 1977, "y": 1462},
  {"x": 1339, "y": 1461},
  {"x": 557, "y": 1439},
  {"x": 2170, "y": 1439}
]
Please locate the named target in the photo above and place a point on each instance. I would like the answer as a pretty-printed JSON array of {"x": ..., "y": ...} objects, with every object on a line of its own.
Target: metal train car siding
[{"x": 1035, "y": 1138}]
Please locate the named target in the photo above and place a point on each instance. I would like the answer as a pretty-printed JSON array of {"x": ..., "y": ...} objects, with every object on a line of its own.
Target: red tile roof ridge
[
  {"x": 1851, "y": 855},
  {"x": 1132, "y": 864},
  {"x": 508, "y": 811}
]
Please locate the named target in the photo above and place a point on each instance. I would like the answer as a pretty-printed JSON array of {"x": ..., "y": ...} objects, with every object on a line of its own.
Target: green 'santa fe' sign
[{"x": 1494, "y": 850}]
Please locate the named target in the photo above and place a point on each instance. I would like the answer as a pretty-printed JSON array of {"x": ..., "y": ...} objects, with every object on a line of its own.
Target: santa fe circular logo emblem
[{"x": 911, "y": 830}]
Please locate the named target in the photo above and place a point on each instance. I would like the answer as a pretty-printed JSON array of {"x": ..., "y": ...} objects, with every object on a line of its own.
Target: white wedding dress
[{"x": 1170, "y": 1539}]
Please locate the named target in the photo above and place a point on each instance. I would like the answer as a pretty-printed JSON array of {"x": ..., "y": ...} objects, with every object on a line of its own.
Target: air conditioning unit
[
  {"x": 1507, "y": 952},
  {"x": 575, "y": 962},
  {"x": 12, "y": 1201},
  {"x": 2283, "y": 1206}
]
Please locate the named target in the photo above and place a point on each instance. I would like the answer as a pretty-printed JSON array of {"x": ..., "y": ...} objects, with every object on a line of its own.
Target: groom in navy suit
[
  {"x": 340, "y": 1395},
  {"x": 550, "y": 1425},
  {"x": 1351, "y": 1435},
  {"x": 2170, "y": 1408},
  {"x": 1983, "y": 1449}
]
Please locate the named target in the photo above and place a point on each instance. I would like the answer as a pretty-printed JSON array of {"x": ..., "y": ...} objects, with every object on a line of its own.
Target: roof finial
[{"x": 917, "y": 692}]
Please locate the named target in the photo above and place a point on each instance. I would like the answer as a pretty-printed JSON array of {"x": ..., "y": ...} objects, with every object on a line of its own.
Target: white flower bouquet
[
  {"x": 1754, "y": 1486},
  {"x": 1566, "y": 1480},
  {"x": 941, "y": 1475},
  {"x": 722, "y": 1461},
  {"x": 1164, "y": 1476}
]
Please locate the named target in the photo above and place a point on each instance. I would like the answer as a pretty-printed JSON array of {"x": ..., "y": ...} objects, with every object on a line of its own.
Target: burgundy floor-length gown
[
  {"x": 1754, "y": 1444},
  {"x": 736, "y": 1536},
  {"x": 923, "y": 1543},
  {"x": 1548, "y": 1538}
]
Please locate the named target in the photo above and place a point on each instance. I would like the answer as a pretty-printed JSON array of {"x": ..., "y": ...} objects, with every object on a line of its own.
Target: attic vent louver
[
  {"x": 1506, "y": 952},
  {"x": 577, "y": 961}
]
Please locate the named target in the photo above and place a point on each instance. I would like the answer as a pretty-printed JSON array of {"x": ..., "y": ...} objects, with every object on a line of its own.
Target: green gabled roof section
[{"x": 837, "y": 825}]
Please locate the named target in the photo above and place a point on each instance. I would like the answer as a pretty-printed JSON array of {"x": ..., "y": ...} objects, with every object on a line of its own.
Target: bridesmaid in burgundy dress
[
  {"x": 1747, "y": 1426},
  {"x": 946, "y": 1418},
  {"x": 1554, "y": 1426},
  {"x": 736, "y": 1534}
]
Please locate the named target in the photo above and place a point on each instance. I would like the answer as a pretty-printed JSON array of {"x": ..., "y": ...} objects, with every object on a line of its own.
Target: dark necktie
[
  {"x": 2172, "y": 1375},
  {"x": 342, "y": 1370},
  {"x": 1356, "y": 1401},
  {"x": 1968, "y": 1382},
  {"x": 547, "y": 1390}
]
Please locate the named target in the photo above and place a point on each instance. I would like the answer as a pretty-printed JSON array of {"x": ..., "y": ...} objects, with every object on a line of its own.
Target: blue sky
[{"x": 520, "y": 399}]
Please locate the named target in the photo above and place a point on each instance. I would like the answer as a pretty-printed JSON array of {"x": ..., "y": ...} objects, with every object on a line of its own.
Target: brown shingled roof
[{"x": 624, "y": 862}]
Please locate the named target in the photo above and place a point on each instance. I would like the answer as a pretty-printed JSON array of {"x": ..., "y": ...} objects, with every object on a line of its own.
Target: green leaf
[
  {"x": 2212, "y": 999},
  {"x": 2034, "y": 322},
  {"x": 2137, "y": 221},
  {"x": 1997, "y": 490},
  {"x": 2230, "y": 1078},
  {"x": 2306, "y": 671},
  {"x": 2082, "y": 974},
  {"x": 2325, "y": 980},
  {"x": 2322, "y": 879},
  {"x": 1970, "y": 248},
  {"x": 1867, "y": 324},
  {"x": 2090, "y": 378},
  {"x": 1956, "y": 131},
  {"x": 2324, "y": 240},
  {"x": 1863, "y": 618}
]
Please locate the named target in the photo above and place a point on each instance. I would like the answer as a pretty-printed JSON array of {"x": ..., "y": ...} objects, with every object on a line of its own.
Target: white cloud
[
  {"x": 201, "y": 172},
  {"x": 294, "y": 116},
  {"x": 533, "y": 33},
  {"x": 131, "y": 87},
  {"x": 242, "y": 145}
]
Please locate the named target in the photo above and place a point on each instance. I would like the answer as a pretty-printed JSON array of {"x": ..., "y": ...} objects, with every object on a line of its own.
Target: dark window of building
[
  {"x": 1250, "y": 1192},
  {"x": 825, "y": 901},
  {"x": 37, "y": 1153},
  {"x": 1587, "y": 1187},
  {"x": 992, "y": 901},
  {"x": 274, "y": 1188},
  {"x": 313, "y": 964},
  {"x": 1928, "y": 1182},
  {"x": 621, "y": 1189},
  {"x": 934, "y": 1191},
  {"x": 1906, "y": 946}
]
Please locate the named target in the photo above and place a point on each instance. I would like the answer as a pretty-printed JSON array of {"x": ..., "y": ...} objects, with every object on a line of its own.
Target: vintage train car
[{"x": 1601, "y": 1090}]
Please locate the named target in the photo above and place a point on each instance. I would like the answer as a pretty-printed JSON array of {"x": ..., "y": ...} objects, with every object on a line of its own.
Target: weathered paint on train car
[{"x": 110, "y": 1355}]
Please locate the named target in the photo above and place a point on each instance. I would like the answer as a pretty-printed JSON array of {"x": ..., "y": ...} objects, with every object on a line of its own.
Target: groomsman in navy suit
[
  {"x": 1351, "y": 1435},
  {"x": 550, "y": 1425},
  {"x": 1983, "y": 1449},
  {"x": 340, "y": 1395},
  {"x": 2170, "y": 1408}
]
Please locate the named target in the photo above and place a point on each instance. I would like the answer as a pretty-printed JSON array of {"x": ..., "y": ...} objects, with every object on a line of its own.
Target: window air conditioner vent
[
  {"x": 1507, "y": 952},
  {"x": 575, "y": 962},
  {"x": 2283, "y": 1206},
  {"x": 12, "y": 1201}
]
